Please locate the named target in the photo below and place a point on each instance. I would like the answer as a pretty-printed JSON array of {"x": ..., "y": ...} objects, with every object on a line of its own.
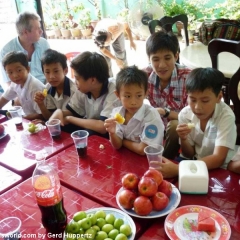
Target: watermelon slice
[{"x": 205, "y": 222}]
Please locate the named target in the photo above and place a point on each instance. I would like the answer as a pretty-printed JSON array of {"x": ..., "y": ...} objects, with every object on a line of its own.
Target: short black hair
[
  {"x": 53, "y": 56},
  {"x": 14, "y": 57},
  {"x": 91, "y": 64},
  {"x": 101, "y": 38},
  {"x": 162, "y": 40},
  {"x": 200, "y": 79},
  {"x": 131, "y": 75}
]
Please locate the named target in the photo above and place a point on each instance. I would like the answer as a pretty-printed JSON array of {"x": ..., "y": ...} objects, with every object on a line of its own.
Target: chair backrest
[
  {"x": 167, "y": 22},
  {"x": 70, "y": 56},
  {"x": 215, "y": 47}
]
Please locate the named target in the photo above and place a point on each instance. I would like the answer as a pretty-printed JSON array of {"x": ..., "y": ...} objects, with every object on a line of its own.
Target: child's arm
[
  {"x": 129, "y": 33},
  {"x": 61, "y": 115},
  {"x": 34, "y": 116},
  {"x": 39, "y": 99},
  {"x": 110, "y": 125},
  {"x": 107, "y": 53},
  {"x": 172, "y": 115},
  {"x": 183, "y": 130},
  {"x": 3, "y": 102},
  {"x": 234, "y": 166},
  {"x": 135, "y": 146},
  {"x": 217, "y": 158}
]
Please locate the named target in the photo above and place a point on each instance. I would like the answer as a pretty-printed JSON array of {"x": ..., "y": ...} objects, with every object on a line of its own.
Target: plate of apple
[
  {"x": 147, "y": 197},
  {"x": 2, "y": 132}
]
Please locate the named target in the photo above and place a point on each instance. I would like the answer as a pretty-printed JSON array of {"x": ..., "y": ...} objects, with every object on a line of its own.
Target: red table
[
  {"x": 98, "y": 177},
  {"x": 3, "y": 118},
  {"x": 223, "y": 196},
  {"x": 8, "y": 179},
  {"x": 19, "y": 148},
  {"x": 20, "y": 202}
]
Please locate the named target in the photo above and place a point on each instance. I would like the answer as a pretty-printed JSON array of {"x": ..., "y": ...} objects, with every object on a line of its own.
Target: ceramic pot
[
  {"x": 86, "y": 32},
  {"x": 66, "y": 33},
  {"x": 57, "y": 32},
  {"x": 75, "y": 32}
]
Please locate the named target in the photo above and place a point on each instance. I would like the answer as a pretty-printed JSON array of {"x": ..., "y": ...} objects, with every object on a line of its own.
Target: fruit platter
[
  {"x": 147, "y": 197},
  {"x": 100, "y": 223}
]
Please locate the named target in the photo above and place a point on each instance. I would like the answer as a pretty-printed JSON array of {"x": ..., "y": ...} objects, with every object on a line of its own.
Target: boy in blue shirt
[{"x": 143, "y": 125}]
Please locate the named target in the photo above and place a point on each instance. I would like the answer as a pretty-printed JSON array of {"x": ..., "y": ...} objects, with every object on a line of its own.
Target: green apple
[
  {"x": 90, "y": 233},
  {"x": 126, "y": 229},
  {"x": 118, "y": 223},
  {"x": 110, "y": 218},
  {"x": 100, "y": 214},
  {"x": 85, "y": 223},
  {"x": 79, "y": 216},
  {"x": 93, "y": 218},
  {"x": 71, "y": 236},
  {"x": 100, "y": 222},
  {"x": 121, "y": 236},
  {"x": 101, "y": 235},
  {"x": 81, "y": 230},
  {"x": 108, "y": 239},
  {"x": 73, "y": 227},
  {"x": 97, "y": 228},
  {"x": 81, "y": 238},
  {"x": 113, "y": 233},
  {"x": 107, "y": 227},
  {"x": 32, "y": 127}
]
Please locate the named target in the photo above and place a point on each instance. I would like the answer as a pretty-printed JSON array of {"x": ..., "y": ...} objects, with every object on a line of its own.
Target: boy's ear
[
  {"x": 117, "y": 94},
  {"x": 219, "y": 97},
  {"x": 65, "y": 70},
  {"x": 176, "y": 56}
]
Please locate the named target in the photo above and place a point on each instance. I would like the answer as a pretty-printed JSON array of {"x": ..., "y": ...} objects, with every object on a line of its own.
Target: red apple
[
  {"x": 126, "y": 198},
  {"x": 1, "y": 129},
  {"x": 160, "y": 201},
  {"x": 130, "y": 181},
  {"x": 142, "y": 205},
  {"x": 155, "y": 174},
  {"x": 165, "y": 187},
  {"x": 147, "y": 186}
]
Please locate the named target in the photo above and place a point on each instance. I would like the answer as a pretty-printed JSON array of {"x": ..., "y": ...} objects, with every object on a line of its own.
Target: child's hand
[
  {"x": 168, "y": 168},
  {"x": 120, "y": 63},
  {"x": 183, "y": 130},
  {"x": 38, "y": 97},
  {"x": 110, "y": 125}
]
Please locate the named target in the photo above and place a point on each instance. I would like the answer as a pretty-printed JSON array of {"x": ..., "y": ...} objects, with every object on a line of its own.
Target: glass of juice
[
  {"x": 54, "y": 128},
  {"x": 80, "y": 139}
]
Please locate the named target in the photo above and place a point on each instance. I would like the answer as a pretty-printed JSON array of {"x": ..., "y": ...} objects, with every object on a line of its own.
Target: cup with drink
[
  {"x": 154, "y": 155},
  {"x": 16, "y": 115},
  {"x": 80, "y": 139},
  {"x": 10, "y": 228},
  {"x": 54, "y": 128}
]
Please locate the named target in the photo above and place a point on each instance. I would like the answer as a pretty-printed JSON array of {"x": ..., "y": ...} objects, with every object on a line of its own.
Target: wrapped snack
[
  {"x": 119, "y": 118},
  {"x": 44, "y": 92},
  {"x": 191, "y": 125}
]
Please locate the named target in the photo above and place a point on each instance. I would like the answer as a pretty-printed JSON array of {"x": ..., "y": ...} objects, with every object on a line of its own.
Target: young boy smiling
[
  {"x": 60, "y": 88},
  {"x": 143, "y": 125},
  {"x": 213, "y": 138}
]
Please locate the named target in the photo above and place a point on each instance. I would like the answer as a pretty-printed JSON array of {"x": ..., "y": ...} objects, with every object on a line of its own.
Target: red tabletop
[
  {"x": 8, "y": 179},
  {"x": 20, "y": 202},
  {"x": 19, "y": 148},
  {"x": 3, "y": 118},
  {"x": 98, "y": 177},
  {"x": 223, "y": 196}
]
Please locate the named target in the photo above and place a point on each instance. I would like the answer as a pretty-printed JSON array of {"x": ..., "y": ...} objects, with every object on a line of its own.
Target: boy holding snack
[
  {"x": 212, "y": 137},
  {"x": 59, "y": 88},
  {"x": 141, "y": 124}
]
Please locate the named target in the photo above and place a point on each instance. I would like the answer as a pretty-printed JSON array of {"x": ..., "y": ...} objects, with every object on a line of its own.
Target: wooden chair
[
  {"x": 216, "y": 46},
  {"x": 70, "y": 56},
  {"x": 167, "y": 22}
]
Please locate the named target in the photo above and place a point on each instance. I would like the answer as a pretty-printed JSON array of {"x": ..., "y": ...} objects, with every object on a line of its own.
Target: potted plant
[{"x": 84, "y": 22}]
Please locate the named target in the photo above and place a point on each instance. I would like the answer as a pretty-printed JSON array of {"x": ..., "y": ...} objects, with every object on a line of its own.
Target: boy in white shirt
[
  {"x": 23, "y": 84},
  {"x": 143, "y": 125},
  {"x": 213, "y": 137},
  {"x": 95, "y": 98},
  {"x": 59, "y": 87}
]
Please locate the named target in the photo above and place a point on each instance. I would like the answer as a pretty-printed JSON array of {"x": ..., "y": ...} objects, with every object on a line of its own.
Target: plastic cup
[
  {"x": 16, "y": 115},
  {"x": 80, "y": 139},
  {"x": 10, "y": 228},
  {"x": 54, "y": 128},
  {"x": 154, "y": 155}
]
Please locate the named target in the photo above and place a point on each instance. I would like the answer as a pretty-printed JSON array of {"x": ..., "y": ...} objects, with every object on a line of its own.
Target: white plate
[
  {"x": 118, "y": 214},
  {"x": 173, "y": 203},
  {"x": 3, "y": 135}
]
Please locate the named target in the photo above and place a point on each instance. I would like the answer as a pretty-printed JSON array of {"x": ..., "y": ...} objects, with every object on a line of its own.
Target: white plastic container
[{"x": 193, "y": 177}]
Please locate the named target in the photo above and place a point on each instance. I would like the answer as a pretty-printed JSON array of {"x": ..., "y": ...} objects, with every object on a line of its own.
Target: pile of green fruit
[
  {"x": 97, "y": 226},
  {"x": 32, "y": 127}
]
